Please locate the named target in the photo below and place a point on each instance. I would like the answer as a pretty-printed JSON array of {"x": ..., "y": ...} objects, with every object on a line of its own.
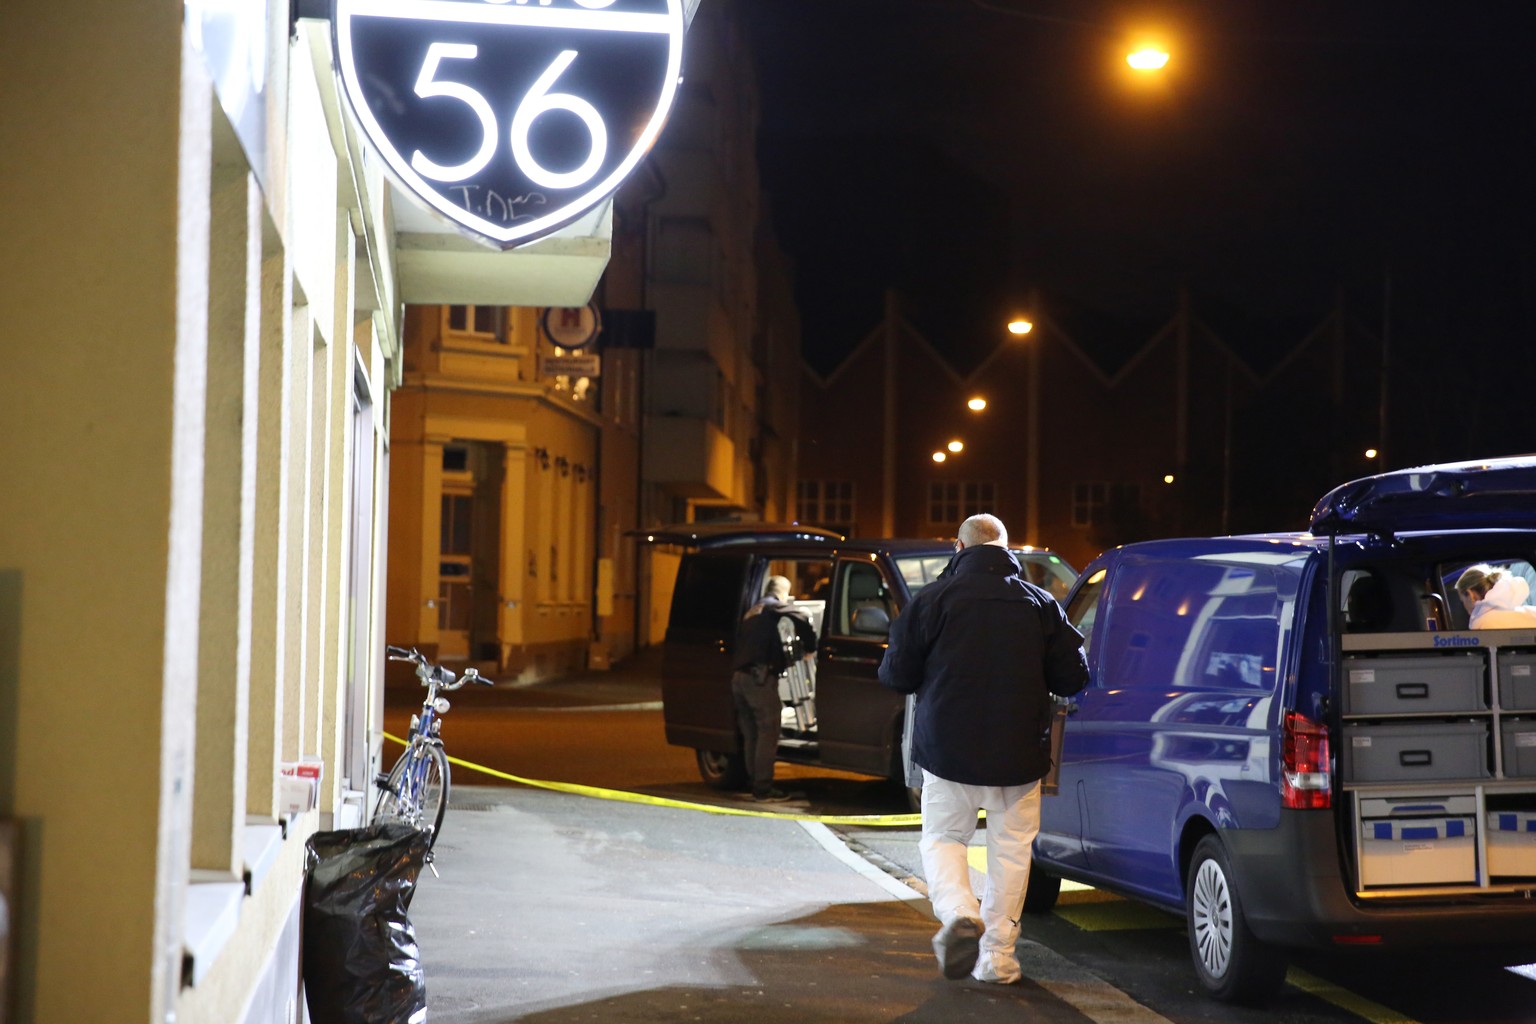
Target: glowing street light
[
  {"x": 956, "y": 446},
  {"x": 1020, "y": 326},
  {"x": 1148, "y": 58},
  {"x": 976, "y": 404},
  {"x": 1167, "y": 478},
  {"x": 939, "y": 456},
  {"x": 1370, "y": 453}
]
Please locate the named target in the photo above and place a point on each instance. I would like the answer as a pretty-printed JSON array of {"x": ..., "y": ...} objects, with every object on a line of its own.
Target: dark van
[
  {"x": 836, "y": 713},
  {"x": 1294, "y": 740}
]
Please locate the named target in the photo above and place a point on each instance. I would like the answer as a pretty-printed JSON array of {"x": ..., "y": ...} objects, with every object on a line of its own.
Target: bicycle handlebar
[{"x": 444, "y": 678}]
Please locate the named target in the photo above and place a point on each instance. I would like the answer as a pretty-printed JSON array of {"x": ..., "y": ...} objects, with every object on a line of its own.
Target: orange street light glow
[
  {"x": 956, "y": 446},
  {"x": 1370, "y": 453},
  {"x": 939, "y": 456},
  {"x": 1168, "y": 478},
  {"x": 1020, "y": 326},
  {"x": 976, "y": 404},
  {"x": 1148, "y": 58}
]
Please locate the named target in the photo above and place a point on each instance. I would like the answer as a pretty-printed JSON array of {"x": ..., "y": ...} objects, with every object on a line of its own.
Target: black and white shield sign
[{"x": 510, "y": 117}]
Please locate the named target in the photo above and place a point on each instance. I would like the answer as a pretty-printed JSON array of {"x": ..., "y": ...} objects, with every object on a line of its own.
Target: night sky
[{"x": 968, "y": 151}]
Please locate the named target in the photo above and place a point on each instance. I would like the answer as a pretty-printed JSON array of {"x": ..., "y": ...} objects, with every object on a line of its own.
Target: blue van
[{"x": 1294, "y": 740}]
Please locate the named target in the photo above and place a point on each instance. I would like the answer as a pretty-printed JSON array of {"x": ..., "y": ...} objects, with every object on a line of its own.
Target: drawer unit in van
[
  {"x": 1511, "y": 844},
  {"x": 1418, "y": 851},
  {"x": 1414, "y": 684},
  {"x": 1518, "y": 740},
  {"x": 1517, "y": 681},
  {"x": 1427, "y": 750}
]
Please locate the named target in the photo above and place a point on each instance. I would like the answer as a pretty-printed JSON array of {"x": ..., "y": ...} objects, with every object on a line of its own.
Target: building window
[
  {"x": 486, "y": 322},
  {"x": 826, "y": 503},
  {"x": 951, "y": 502},
  {"x": 1093, "y": 502}
]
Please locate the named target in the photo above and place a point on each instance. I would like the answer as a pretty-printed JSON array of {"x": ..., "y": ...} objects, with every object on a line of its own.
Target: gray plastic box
[
  {"x": 1519, "y": 743},
  {"x": 1517, "y": 681},
  {"x": 1414, "y": 751},
  {"x": 1414, "y": 684}
]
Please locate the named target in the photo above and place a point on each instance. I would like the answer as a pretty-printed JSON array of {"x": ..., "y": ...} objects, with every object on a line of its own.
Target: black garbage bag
[{"x": 361, "y": 963}]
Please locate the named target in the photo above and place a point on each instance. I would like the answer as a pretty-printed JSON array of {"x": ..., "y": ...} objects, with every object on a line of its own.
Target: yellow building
[{"x": 494, "y": 492}]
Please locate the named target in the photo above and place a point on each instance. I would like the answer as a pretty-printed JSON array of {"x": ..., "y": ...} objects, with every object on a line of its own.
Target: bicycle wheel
[{"x": 416, "y": 791}]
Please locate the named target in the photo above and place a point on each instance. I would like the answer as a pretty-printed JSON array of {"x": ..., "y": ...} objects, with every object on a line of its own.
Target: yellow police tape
[{"x": 876, "y": 820}]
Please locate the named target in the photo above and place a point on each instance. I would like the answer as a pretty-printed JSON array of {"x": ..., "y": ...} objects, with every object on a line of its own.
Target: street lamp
[
  {"x": 956, "y": 446},
  {"x": 976, "y": 404},
  {"x": 1147, "y": 58},
  {"x": 1019, "y": 325},
  {"x": 939, "y": 456}
]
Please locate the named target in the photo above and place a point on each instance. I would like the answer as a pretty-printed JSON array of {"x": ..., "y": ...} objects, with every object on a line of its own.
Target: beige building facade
[{"x": 205, "y": 282}]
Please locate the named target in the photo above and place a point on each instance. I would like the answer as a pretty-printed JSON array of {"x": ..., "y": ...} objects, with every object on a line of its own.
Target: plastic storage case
[
  {"x": 1416, "y": 751},
  {"x": 1517, "y": 681},
  {"x": 1414, "y": 684},
  {"x": 1418, "y": 851},
  {"x": 1511, "y": 844},
  {"x": 1518, "y": 740}
]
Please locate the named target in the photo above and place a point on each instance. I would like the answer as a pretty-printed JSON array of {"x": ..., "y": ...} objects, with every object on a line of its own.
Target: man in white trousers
[{"x": 983, "y": 649}]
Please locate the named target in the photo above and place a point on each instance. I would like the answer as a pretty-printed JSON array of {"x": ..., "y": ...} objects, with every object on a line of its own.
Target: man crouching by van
[
  {"x": 757, "y": 662},
  {"x": 983, "y": 649}
]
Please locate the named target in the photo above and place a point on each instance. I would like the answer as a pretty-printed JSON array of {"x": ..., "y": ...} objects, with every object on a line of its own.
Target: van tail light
[{"x": 1304, "y": 768}]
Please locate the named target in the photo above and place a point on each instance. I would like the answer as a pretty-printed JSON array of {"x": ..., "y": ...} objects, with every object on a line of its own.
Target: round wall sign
[
  {"x": 510, "y": 117},
  {"x": 573, "y": 327}
]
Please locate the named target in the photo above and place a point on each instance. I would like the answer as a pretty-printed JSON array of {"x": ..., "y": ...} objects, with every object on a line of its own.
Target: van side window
[
  {"x": 864, "y": 604},
  {"x": 1083, "y": 612},
  {"x": 1195, "y": 625},
  {"x": 707, "y": 595}
]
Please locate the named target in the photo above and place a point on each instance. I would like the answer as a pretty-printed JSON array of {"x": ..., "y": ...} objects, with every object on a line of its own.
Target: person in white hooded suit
[{"x": 1495, "y": 598}]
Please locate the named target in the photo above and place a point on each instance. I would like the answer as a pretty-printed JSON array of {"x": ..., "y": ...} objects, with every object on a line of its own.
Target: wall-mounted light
[
  {"x": 956, "y": 447},
  {"x": 939, "y": 456},
  {"x": 976, "y": 404}
]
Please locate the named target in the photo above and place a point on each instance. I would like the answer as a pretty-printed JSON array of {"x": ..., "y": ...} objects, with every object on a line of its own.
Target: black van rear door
[{"x": 707, "y": 602}]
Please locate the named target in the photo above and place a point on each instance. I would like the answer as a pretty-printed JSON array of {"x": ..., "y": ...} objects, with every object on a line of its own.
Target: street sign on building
[
  {"x": 573, "y": 327},
  {"x": 511, "y": 118},
  {"x": 571, "y": 366}
]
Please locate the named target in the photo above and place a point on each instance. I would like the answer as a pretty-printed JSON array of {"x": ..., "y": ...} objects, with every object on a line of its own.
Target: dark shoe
[
  {"x": 773, "y": 796},
  {"x": 957, "y": 945}
]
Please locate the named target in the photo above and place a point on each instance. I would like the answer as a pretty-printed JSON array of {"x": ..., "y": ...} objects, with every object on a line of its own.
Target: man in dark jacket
[
  {"x": 757, "y": 661},
  {"x": 983, "y": 649}
]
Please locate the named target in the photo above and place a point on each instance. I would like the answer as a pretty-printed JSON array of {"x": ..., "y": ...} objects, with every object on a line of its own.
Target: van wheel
[
  {"x": 1231, "y": 963},
  {"x": 722, "y": 771},
  {"x": 1041, "y": 892}
]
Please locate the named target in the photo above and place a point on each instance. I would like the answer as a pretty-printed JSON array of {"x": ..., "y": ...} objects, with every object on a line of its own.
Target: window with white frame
[
  {"x": 484, "y": 322},
  {"x": 952, "y": 502}
]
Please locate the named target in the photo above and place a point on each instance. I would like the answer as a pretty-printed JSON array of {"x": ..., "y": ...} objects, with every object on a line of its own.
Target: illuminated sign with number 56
[{"x": 510, "y": 117}]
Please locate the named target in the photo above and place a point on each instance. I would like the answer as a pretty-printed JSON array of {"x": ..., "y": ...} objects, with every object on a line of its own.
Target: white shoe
[
  {"x": 997, "y": 969},
  {"x": 956, "y": 945}
]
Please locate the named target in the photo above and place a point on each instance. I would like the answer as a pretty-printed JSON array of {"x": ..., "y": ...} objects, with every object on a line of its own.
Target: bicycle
[{"x": 415, "y": 791}]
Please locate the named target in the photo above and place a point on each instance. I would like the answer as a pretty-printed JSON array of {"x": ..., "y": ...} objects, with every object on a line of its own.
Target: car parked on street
[
  {"x": 1294, "y": 740},
  {"x": 836, "y": 713}
]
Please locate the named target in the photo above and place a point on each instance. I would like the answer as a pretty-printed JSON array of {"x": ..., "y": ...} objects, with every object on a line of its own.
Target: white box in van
[
  {"x": 1517, "y": 681},
  {"x": 1414, "y": 683},
  {"x": 1519, "y": 742},
  {"x": 1415, "y": 751},
  {"x": 1512, "y": 844},
  {"x": 1417, "y": 851}
]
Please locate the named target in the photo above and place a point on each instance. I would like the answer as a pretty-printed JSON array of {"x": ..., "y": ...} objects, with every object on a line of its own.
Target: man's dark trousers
[{"x": 756, "y": 692}]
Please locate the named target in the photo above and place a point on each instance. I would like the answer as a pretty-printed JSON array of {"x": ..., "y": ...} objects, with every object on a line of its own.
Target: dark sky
[{"x": 966, "y": 151}]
